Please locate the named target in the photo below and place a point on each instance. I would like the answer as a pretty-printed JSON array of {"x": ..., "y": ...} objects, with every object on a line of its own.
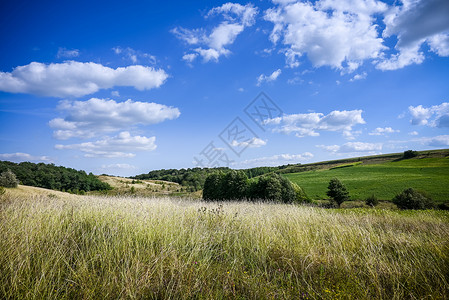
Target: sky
[{"x": 126, "y": 87}]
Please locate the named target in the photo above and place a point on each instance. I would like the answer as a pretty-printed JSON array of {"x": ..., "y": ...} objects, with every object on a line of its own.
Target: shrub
[
  {"x": 8, "y": 179},
  {"x": 412, "y": 199},
  {"x": 409, "y": 154},
  {"x": 371, "y": 201},
  {"x": 337, "y": 191},
  {"x": 2, "y": 190}
]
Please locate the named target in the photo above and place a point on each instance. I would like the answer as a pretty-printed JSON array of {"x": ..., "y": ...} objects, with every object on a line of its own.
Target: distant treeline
[
  {"x": 195, "y": 177},
  {"x": 53, "y": 177}
]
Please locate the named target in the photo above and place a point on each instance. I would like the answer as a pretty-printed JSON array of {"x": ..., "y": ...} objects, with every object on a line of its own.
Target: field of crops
[{"x": 384, "y": 180}]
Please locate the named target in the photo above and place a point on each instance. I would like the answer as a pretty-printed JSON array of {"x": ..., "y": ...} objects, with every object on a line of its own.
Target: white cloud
[
  {"x": 253, "y": 143},
  {"x": 20, "y": 157},
  {"x": 66, "y": 53},
  {"x": 358, "y": 77},
  {"x": 434, "y": 116},
  {"x": 439, "y": 44},
  {"x": 86, "y": 119},
  {"x": 77, "y": 79},
  {"x": 190, "y": 57},
  {"x": 213, "y": 45},
  {"x": 339, "y": 34},
  {"x": 134, "y": 56},
  {"x": 383, "y": 131},
  {"x": 118, "y": 166},
  {"x": 413, "y": 133},
  {"x": 416, "y": 22},
  {"x": 352, "y": 147},
  {"x": 439, "y": 141},
  {"x": 275, "y": 160},
  {"x": 114, "y": 147},
  {"x": 263, "y": 78},
  {"x": 241, "y": 90},
  {"x": 115, "y": 94},
  {"x": 309, "y": 124}
]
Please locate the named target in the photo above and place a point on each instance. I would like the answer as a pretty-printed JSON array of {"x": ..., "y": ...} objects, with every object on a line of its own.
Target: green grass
[
  {"x": 136, "y": 248},
  {"x": 384, "y": 180}
]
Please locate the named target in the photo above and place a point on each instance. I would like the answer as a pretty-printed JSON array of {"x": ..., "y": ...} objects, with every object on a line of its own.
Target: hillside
[{"x": 384, "y": 178}]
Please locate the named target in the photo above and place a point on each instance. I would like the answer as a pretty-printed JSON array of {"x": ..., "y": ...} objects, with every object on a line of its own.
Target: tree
[
  {"x": 8, "y": 179},
  {"x": 412, "y": 199},
  {"x": 409, "y": 154},
  {"x": 337, "y": 191}
]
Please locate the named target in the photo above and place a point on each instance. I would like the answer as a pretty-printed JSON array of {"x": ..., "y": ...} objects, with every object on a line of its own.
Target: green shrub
[
  {"x": 371, "y": 201},
  {"x": 2, "y": 190},
  {"x": 8, "y": 179},
  {"x": 337, "y": 191},
  {"x": 409, "y": 154},
  {"x": 412, "y": 199}
]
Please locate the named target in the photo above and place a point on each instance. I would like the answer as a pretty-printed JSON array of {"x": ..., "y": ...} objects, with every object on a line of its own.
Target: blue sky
[{"x": 127, "y": 87}]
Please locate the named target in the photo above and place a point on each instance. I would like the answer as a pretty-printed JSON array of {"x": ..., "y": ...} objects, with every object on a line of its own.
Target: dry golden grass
[{"x": 162, "y": 248}]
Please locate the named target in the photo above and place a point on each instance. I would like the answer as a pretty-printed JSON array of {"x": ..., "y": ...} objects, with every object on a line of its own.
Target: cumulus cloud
[
  {"x": 252, "y": 143},
  {"x": 263, "y": 78},
  {"x": 434, "y": 116},
  {"x": 413, "y": 23},
  {"x": 352, "y": 147},
  {"x": 275, "y": 160},
  {"x": 211, "y": 46},
  {"x": 20, "y": 157},
  {"x": 114, "y": 147},
  {"x": 311, "y": 123},
  {"x": 339, "y": 34},
  {"x": 383, "y": 131},
  {"x": 89, "y": 118},
  {"x": 75, "y": 79},
  {"x": 67, "y": 53}
]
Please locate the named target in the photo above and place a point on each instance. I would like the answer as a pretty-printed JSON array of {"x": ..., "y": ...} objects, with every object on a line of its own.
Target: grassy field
[
  {"x": 86, "y": 247},
  {"x": 384, "y": 180}
]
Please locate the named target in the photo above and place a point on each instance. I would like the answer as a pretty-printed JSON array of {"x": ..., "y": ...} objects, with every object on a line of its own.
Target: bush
[
  {"x": 2, "y": 190},
  {"x": 337, "y": 191},
  {"x": 371, "y": 201},
  {"x": 235, "y": 185},
  {"x": 412, "y": 199},
  {"x": 409, "y": 154},
  {"x": 8, "y": 179}
]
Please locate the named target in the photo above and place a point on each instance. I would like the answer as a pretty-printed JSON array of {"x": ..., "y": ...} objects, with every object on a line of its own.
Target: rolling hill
[{"x": 383, "y": 176}]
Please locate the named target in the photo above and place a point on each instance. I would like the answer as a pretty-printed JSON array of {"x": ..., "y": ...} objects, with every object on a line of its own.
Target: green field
[{"x": 384, "y": 180}]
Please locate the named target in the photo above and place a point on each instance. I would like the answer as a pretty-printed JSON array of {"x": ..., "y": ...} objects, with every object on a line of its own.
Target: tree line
[
  {"x": 54, "y": 177},
  {"x": 235, "y": 185},
  {"x": 195, "y": 177}
]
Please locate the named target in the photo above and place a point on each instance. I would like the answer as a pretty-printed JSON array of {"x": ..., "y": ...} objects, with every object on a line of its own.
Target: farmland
[{"x": 383, "y": 179}]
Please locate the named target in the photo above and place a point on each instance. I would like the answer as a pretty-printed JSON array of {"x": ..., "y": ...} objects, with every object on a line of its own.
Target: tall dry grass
[{"x": 134, "y": 248}]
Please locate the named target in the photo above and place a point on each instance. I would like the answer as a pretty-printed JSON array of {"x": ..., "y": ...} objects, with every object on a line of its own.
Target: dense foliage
[
  {"x": 8, "y": 179},
  {"x": 412, "y": 199},
  {"x": 410, "y": 154},
  {"x": 337, "y": 191},
  {"x": 195, "y": 177},
  {"x": 53, "y": 177},
  {"x": 234, "y": 185}
]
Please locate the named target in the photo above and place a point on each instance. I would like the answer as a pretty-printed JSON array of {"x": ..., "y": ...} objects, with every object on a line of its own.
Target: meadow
[
  {"x": 384, "y": 180},
  {"x": 88, "y": 247}
]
